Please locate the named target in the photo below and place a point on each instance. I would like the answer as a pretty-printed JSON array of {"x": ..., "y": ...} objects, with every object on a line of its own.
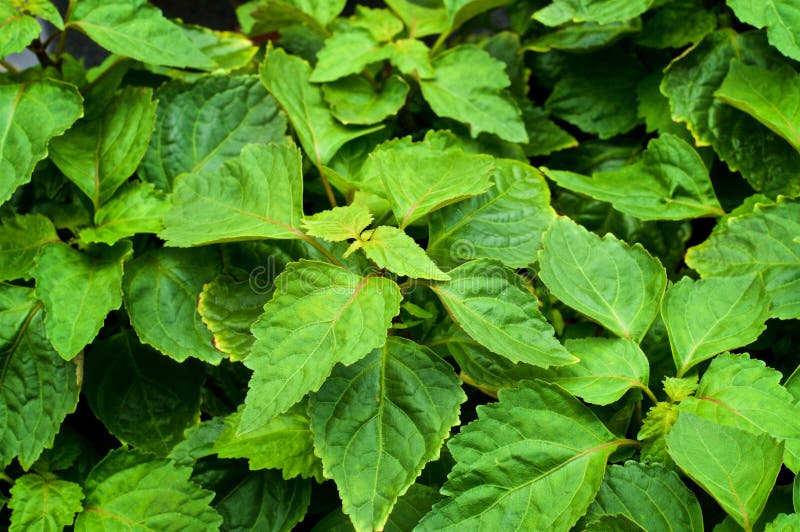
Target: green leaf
[
  {"x": 391, "y": 248},
  {"x": 135, "y": 28},
  {"x": 678, "y": 389},
  {"x": 607, "y": 368},
  {"x": 30, "y": 115},
  {"x": 286, "y": 77},
  {"x": 735, "y": 467},
  {"x": 21, "y": 238},
  {"x": 783, "y": 523},
  {"x": 100, "y": 154},
  {"x": 354, "y": 100},
  {"x": 669, "y": 182},
  {"x": 613, "y": 523},
  {"x": 346, "y": 53},
  {"x": 382, "y": 24},
  {"x": 161, "y": 290},
  {"x": 651, "y": 496},
  {"x": 136, "y": 208},
  {"x": 240, "y": 109},
  {"x": 284, "y": 442},
  {"x": 533, "y": 461},
  {"x": 339, "y": 223},
  {"x": 779, "y": 16},
  {"x": 656, "y": 425},
  {"x": 505, "y": 223},
  {"x": 770, "y": 96},
  {"x": 320, "y": 315},
  {"x": 618, "y": 286},
  {"x": 460, "y": 11},
  {"x": 544, "y": 135},
  {"x": 198, "y": 442},
  {"x": 41, "y": 8},
  {"x": 17, "y": 30},
  {"x": 43, "y": 502},
  {"x": 256, "y": 195},
  {"x": 37, "y": 387},
  {"x": 263, "y": 501},
  {"x": 743, "y": 393},
  {"x": 142, "y": 397},
  {"x": 764, "y": 242},
  {"x": 468, "y": 87},
  {"x": 709, "y": 316},
  {"x": 131, "y": 490},
  {"x": 584, "y": 36},
  {"x": 377, "y": 422},
  {"x": 493, "y": 305},
  {"x": 78, "y": 291},
  {"x": 422, "y": 18},
  {"x": 227, "y": 49},
  {"x": 424, "y": 176},
  {"x": 411, "y": 57},
  {"x": 676, "y": 24},
  {"x": 601, "y": 11}
]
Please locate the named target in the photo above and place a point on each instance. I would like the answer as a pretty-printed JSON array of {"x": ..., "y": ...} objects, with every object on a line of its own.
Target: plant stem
[
  {"x": 4, "y": 477},
  {"x": 313, "y": 242},
  {"x": 327, "y": 186},
  {"x": 649, "y": 393},
  {"x": 8, "y": 66}
]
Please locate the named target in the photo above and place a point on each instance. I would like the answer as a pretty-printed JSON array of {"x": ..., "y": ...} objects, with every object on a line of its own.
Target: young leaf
[
  {"x": 601, "y": 11},
  {"x": 21, "y": 238},
  {"x": 228, "y": 50},
  {"x": 423, "y": 18},
  {"x": 320, "y": 315},
  {"x": 763, "y": 241},
  {"x": 256, "y": 195},
  {"x": 382, "y": 24},
  {"x": 136, "y": 29},
  {"x": 101, "y": 153},
  {"x": 377, "y": 422},
  {"x": 513, "y": 470},
  {"x": 492, "y": 305},
  {"x": 78, "y": 291},
  {"x": 354, "y": 100},
  {"x": 132, "y": 489},
  {"x": 669, "y": 182},
  {"x": 652, "y": 496},
  {"x": 391, "y": 248},
  {"x": 346, "y": 53},
  {"x": 284, "y": 442},
  {"x": 30, "y": 115},
  {"x": 412, "y": 57},
  {"x": 713, "y": 315},
  {"x": 678, "y": 389},
  {"x": 468, "y": 87},
  {"x": 37, "y": 388},
  {"x": 286, "y": 77},
  {"x": 779, "y": 16},
  {"x": 505, "y": 223},
  {"x": 618, "y": 286},
  {"x": 339, "y": 223},
  {"x": 17, "y": 30},
  {"x": 142, "y": 397},
  {"x": 656, "y": 425},
  {"x": 735, "y": 467},
  {"x": 161, "y": 290},
  {"x": 43, "y": 502},
  {"x": 136, "y": 208}
]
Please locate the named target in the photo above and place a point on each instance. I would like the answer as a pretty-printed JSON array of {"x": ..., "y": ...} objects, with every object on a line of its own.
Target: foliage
[{"x": 432, "y": 265}]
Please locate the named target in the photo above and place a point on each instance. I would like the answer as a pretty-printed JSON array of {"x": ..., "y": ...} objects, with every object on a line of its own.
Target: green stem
[
  {"x": 4, "y": 477},
  {"x": 439, "y": 43},
  {"x": 649, "y": 393},
  {"x": 313, "y": 242},
  {"x": 327, "y": 186},
  {"x": 8, "y": 66}
]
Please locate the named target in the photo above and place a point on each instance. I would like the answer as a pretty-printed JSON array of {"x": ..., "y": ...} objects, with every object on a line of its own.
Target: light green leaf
[
  {"x": 320, "y": 315},
  {"x": 420, "y": 18},
  {"x": 227, "y": 49},
  {"x": 198, "y": 442},
  {"x": 129, "y": 490},
  {"x": 770, "y": 96},
  {"x": 258, "y": 17},
  {"x": 468, "y": 87},
  {"x": 41, "y": 8},
  {"x": 135, "y": 28},
  {"x": 533, "y": 461},
  {"x": 391, "y": 248},
  {"x": 651, "y": 496},
  {"x": 669, "y": 182},
  {"x": 735, "y": 467},
  {"x": 339, "y": 223},
  {"x": 287, "y": 79},
  {"x": 607, "y": 368},
  {"x": 284, "y": 442},
  {"x": 783, "y": 523},
  {"x": 347, "y": 53},
  {"x": 618, "y": 286},
  {"x": 460, "y": 11},
  {"x": 709, "y": 316},
  {"x": 354, "y": 100},
  {"x": 377, "y": 422},
  {"x": 763, "y": 241},
  {"x": 161, "y": 290},
  {"x": 656, "y": 425},
  {"x": 17, "y": 29},
  {"x": 781, "y": 17},
  {"x": 676, "y": 24},
  {"x": 37, "y": 388},
  {"x": 583, "y": 36},
  {"x": 382, "y": 24},
  {"x": 493, "y": 305},
  {"x": 743, "y": 393},
  {"x": 136, "y": 208},
  {"x": 601, "y": 11},
  {"x": 240, "y": 109},
  {"x": 43, "y": 502},
  {"x": 78, "y": 291},
  {"x": 30, "y": 115},
  {"x": 142, "y": 397},
  {"x": 613, "y": 523},
  {"x": 678, "y": 389},
  {"x": 21, "y": 238},
  {"x": 424, "y": 176},
  {"x": 411, "y": 57},
  {"x": 505, "y": 223},
  {"x": 256, "y": 195}
]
